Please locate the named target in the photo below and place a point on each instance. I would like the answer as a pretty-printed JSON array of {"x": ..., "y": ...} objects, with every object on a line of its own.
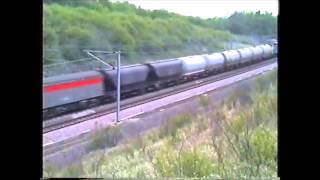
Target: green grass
[
  {"x": 204, "y": 101},
  {"x": 107, "y": 137}
]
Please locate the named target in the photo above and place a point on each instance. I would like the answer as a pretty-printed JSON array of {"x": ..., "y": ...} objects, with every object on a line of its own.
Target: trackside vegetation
[{"x": 231, "y": 142}]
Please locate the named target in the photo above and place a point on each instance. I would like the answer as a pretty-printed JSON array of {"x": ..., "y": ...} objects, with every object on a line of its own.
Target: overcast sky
[{"x": 208, "y": 8}]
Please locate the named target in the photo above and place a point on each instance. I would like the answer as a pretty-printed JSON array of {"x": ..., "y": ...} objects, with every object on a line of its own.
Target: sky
[{"x": 208, "y": 8}]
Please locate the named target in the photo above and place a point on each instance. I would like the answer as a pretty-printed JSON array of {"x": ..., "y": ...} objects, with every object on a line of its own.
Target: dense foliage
[
  {"x": 71, "y": 26},
  {"x": 252, "y": 23}
]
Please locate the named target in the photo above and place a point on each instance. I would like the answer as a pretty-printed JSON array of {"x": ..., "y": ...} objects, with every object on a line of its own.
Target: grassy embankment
[{"x": 235, "y": 141}]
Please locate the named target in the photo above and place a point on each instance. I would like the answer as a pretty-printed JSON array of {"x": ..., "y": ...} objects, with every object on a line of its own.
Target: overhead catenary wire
[
  {"x": 145, "y": 44},
  {"x": 126, "y": 51},
  {"x": 89, "y": 52},
  {"x": 151, "y": 52},
  {"x": 122, "y": 52},
  {"x": 68, "y": 61}
]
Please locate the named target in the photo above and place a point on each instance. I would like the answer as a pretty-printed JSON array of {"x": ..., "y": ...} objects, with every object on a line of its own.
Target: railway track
[{"x": 74, "y": 118}]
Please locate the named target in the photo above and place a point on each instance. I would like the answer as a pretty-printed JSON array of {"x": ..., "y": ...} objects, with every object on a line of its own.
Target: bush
[
  {"x": 264, "y": 145},
  {"x": 204, "y": 101},
  {"x": 74, "y": 171},
  {"x": 171, "y": 127},
  {"x": 249, "y": 143},
  {"x": 238, "y": 124},
  {"x": 202, "y": 124},
  {"x": 264, "y": 82},
  {"x": 49, "y": 171},
  {"x": 165, "y": 162},
  {"x": 107, "y": 137},
  {"x": 196, "y": 164}
]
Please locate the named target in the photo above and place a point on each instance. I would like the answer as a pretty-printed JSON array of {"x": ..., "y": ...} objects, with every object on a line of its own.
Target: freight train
[{"x": 67, "y": 93}]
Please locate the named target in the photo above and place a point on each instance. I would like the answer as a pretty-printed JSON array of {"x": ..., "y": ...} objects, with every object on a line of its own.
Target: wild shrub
[
  {"x": 195, "y": 164},
  {"x": 172, "y": 125},
  {"x": 107, "y": 137}
]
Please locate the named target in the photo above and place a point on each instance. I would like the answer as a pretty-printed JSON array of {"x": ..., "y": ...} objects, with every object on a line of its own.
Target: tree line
[{"x": 71, "y": 26}]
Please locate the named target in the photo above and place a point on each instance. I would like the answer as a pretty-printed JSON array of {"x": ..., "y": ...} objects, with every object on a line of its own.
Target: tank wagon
[
  {"x": 214, "y": 63},
  {"x": 232, "y": 58},
  {"x": 193, "y": 66}
]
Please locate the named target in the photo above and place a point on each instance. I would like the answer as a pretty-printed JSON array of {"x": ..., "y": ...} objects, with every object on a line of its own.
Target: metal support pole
[
  {"x": 89, "y": 52},
  {"x": 118, "y": 87}
]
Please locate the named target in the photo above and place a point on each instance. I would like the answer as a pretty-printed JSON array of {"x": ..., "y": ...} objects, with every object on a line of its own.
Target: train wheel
[
  {"x": 105, "y": 99},
  {"x": 61, "y": 110},
  {"x": 83, "y": 104},
  {"x": 113, "y": 98},
  {"x": 156, "y": 86},
  {"x": 93, "y": 103},
  {"x": 45, "y": 114},
  {"x": 142, "y": 91}
]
